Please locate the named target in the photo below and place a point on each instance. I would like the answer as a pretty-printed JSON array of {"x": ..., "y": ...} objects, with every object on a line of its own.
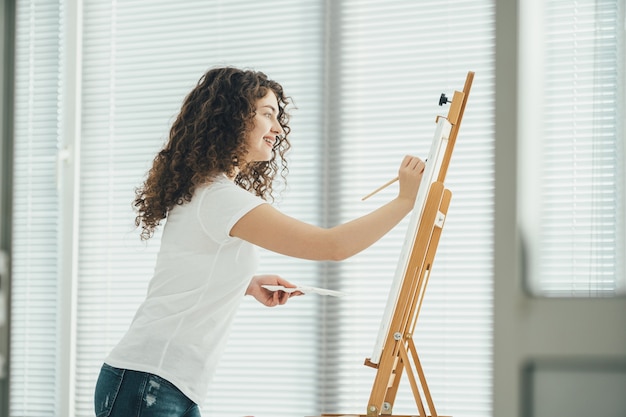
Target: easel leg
[
  {"x": 422, "y": 377},
  {"x": 412, "y": 381}
]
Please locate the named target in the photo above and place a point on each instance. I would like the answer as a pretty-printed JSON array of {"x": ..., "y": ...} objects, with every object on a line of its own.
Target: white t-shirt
[{"x": 200, "y": 278}]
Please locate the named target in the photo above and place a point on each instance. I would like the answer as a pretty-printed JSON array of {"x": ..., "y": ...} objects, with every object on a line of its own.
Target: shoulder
[
  {"x": 223, "y": 197},
  {"x": 220, "y": 204},
  {"x": 221, "y": 187}
]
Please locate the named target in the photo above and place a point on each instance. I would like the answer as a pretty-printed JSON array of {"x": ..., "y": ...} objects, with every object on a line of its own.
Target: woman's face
[{"x": 262, "y": 137}]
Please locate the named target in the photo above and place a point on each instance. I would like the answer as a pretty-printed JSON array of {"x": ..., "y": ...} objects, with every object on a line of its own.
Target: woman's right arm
[{"x": 271, "y": 229}]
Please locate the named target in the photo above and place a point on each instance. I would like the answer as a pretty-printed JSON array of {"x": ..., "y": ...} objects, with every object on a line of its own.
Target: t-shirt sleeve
[{"x": 222, "y": 205}]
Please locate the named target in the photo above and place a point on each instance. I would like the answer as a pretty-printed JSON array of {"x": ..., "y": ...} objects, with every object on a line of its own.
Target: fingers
[
  {"x": 283, "y": 297},
  {"x": 275, "y": 298},
  {"x": 284, "y": 282},
  {"x": 410, "y": 174},
  {"x": 413, "y": 163},
  {"x": 287, "y": 284}
]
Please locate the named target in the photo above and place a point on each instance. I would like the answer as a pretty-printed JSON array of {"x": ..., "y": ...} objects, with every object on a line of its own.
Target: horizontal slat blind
[
  {"x": 141, "y": 59},
  {"x": 35, "y": 252},
  {"x": 395, "y": 59},
  {"x": 366, "y": 94},
  {"x": 582, "y": 207}
]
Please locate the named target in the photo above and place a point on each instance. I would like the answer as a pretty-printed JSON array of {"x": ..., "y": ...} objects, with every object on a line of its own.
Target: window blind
[
  {"x": 140, "y": 59},
  {"x": 35, "y": 254},
  {"x": 582, "y": 200},
  {"x": 365, "y": 94},
  {"x": 394, "y": 60}
]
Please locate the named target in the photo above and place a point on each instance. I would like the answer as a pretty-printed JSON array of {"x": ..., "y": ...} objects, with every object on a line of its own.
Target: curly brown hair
[{"x": 209, "y": 137}]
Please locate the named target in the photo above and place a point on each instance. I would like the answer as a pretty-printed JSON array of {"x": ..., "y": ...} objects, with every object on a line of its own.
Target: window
[
  {"x": 35, "y": 251},
  {"x": 366, "y": 79},
  {"x": 573, "y": 152},
  {"x": 396, "y": 59}
]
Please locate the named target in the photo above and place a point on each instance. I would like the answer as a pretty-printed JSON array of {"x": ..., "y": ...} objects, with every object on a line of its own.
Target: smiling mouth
[{"x": 269, "y": 141}]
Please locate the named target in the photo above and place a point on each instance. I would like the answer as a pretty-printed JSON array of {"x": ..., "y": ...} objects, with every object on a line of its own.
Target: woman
[{"x": 211, "y": 181}]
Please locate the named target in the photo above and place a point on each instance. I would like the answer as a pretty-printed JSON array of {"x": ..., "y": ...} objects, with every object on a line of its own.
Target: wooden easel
[{"x": 399, "y": 352}]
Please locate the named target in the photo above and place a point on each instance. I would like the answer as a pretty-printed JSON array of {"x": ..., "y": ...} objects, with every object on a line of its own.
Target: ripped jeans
[{"x": 126, "y": 393}]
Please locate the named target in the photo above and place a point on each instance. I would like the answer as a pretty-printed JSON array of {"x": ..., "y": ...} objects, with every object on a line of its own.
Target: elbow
[
  {"x": 337, "y": 250},
  {"x": 339, "y": 255},
  {"x": 328, "y": 246},
  {"x": 336, "y": 257}
]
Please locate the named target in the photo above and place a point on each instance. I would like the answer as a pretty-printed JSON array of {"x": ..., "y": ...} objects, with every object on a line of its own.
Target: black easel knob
[{"x": 443, "y": 99}]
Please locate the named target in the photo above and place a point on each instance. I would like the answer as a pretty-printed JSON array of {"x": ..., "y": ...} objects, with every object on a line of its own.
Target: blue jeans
[{"x": 126, "y": 393}]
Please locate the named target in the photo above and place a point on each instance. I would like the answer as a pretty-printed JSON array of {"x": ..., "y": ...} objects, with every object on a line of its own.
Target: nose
[{"x": 277, "y": 129}]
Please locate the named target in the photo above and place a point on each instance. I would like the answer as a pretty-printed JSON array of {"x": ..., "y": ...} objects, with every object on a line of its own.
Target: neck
[{"x": 233, "y": 174}]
